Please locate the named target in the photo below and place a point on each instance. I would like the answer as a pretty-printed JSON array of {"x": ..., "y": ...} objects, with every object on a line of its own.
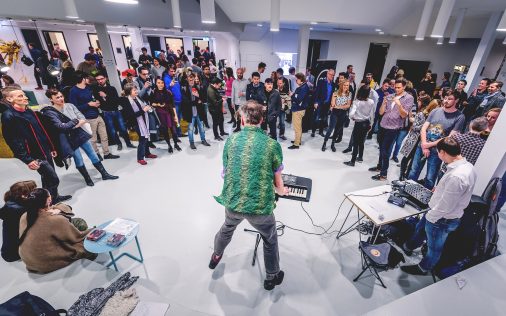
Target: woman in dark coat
[
  {"x": 163, "y": 102},
  {"x": 69, "y": 126}
]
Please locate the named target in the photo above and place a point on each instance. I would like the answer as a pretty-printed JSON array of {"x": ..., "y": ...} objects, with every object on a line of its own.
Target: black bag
[
  {"x": 26, "y": 60},
  {"x": 26, "y": 304}
]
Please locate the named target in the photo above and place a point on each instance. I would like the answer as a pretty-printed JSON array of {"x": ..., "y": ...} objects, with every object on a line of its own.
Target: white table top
[
  {"x": 372, "y": 203},
  {"x": 483, "y": 294}
]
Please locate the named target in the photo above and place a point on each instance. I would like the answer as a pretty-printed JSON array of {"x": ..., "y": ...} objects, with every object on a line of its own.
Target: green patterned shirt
[{"x": 250, "y": 160}]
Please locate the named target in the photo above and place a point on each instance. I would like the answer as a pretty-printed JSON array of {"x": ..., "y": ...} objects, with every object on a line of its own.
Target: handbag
[{"x": 26, "y": 60}]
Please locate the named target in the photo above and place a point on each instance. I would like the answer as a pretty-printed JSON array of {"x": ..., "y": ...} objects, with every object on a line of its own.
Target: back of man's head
[
  {"x": 450, "y": 146},
  {"x": 252, "y": 112}
]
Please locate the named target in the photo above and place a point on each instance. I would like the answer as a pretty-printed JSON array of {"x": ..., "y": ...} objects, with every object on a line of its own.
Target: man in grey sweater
[{"x": 239, "y": 94}]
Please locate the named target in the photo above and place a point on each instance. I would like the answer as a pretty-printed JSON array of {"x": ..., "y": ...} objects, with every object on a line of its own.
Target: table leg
[
  {"x": 341, "y": 229},
  {"x": 377, "y": 234},
  {"x": 139, "y": 248},
  {"x": 113, "y": 262}
]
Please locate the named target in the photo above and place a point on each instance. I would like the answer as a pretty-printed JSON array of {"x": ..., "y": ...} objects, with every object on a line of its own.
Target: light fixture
[
  {"x": 207, "y": 12},
  {"x": 381, "y": 33},
  {"x": 70, "y": 9},
  {"x": 311, "y": 28},
  {"x": 457, "y": 26},
  {"x": 176, "y": 14},
  {"x": 260, "y": 25},
  {"x": 442, "y": 18},
  {"x": 424, "y": 21},
  {"x": 275, "y": 15},
  {"x": 53, "y": 71},
  {"x": 502, "y": 24},
  {"x": 378, "y": 30},
  {"x": 440, "y": 41},
  {"x": 404, "y": 35},
  {"x": 4, "y": 68},
  {"x": 81, "y": 21},
  {"x": 124, "y": 1},
  {"x": 313, "y": 23},
  {"x": 504, "y": 42}
]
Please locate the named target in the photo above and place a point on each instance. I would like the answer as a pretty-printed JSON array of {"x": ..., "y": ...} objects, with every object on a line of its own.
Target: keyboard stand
[{"x": 257, "y": 241}]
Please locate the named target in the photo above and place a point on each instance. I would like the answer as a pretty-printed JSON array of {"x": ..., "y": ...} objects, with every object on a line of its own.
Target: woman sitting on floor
[{"x": 48, "y": 239}]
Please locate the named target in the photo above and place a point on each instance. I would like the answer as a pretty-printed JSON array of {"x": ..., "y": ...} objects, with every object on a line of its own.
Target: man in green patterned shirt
[{"x": 252, "y": 165}]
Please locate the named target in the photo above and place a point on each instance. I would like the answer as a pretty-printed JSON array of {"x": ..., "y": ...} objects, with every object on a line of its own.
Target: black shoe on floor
[
  {"x": 278, "y": 279},
  {"x": 395, "y": 159},
  {"x": 111, "y": 156},
  {"x": 171, "y": 150},
  {"x": 224, "y": 134},
  {"x": 312, "y": 135},
  {"x": 333, "y": 147},
  {"x": 218, "y": 138},
  {"x": 321, "y": 134},
  {"x": 347, "y": 150},
  {"x": 62, "y": 198},
  {"x": 408, "y": 252},
  {"x": 282, "y": 137},
  {"x": 360, "y": 159},
  {"x": 349, "y": 163},
  {"x": 206, "y": 143},
  {"x": 374, "y": 169},
  {"x": 192, "y": 146},
  {"x": 379, "y": 177},
  {"x": 151, "y": 145},
  {"x": 293, "y": 147},
  {"x": 131, "y": 146},
  {"x": 214, "y": 261},
  {"x": 176, "y": 146},
  {"x": 237, "y": 129},
  {"x": 414, "y": 270},
  {"x": 120, "y": 146},
  {"x": 369, "y": 137}
]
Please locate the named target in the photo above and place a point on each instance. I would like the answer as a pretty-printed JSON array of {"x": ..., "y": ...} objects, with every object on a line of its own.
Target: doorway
[
  {"x": 127, "y": 45},
  {"x": 376, "y": 60},
  {"x": 32, "y": 36},
  {"x": 154, "y": 45},
  {"x": 414, "y": 70},
  {"x": 53, "y": 37}
]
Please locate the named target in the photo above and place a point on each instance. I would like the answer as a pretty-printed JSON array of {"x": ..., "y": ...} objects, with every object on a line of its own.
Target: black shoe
[
  {"x": 408, "y": 252},
  {"x": 379, "y": 177},
  {"x": 369, "y": 136},
  {"x": 278, "y": 279},
  {"x": 111, "y": 156},
  {"x": 231, "y": 121},
  {"x": 103, "y": 172},
  {"x": 82, "y": 170},
  {"x": 347, "y": 150},
  {"x": 192, "y": 146},
  {"x": 170, "y": 150},
  {"x": 312, "y": 135},
  {"x": 176, "y": 146},
  {"x": 374, "y": 169},
  {"x": 349, "y": 163},
  {"x": 178, "y": 140},
  {"x": 207, "y": 126},
  {"x": 214, "y": 261},
  {"x": 293, "y": 142},
  {"x": 333, "y": 147},
  {"x": 206, "y": 143},
  {"x": 321, "y": 134},
  {"x": 100, "y": 157},
  {"x": 224, "y": 134},
  {"x": 395, "y": 159},
  {"x": 338, "y": 140},
  {"x": 324, "y": 146},
  {"x": 62, "y": 198},
  {"x": 237, "y": 129},
  {"x": 414, "y": 270},
  {"x": 293, "y": 147},
  {"x": 282, "y": 137},
  {"x": 359, "y": 159},
  {"x": 130, "y": 145},
  {"x": 218, "y": 138},
  {"x": 151, "y": 145},
  {"x": 120, "y": 146}
]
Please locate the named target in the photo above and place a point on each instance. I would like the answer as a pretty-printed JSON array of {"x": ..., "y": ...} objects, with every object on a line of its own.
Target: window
[
  {"x": 174, "y": 43},
  {"x": 93, "y": 38},
  {"x": 53, "y": 38},
  {"x": 201, "y": 43}
]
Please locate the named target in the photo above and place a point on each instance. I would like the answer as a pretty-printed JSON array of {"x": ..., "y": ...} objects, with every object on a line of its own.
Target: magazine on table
[{"x": 121, "y": 226}]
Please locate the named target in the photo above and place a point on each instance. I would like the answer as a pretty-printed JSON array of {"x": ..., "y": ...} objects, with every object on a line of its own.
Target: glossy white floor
[{"x": 172, "y": 198}]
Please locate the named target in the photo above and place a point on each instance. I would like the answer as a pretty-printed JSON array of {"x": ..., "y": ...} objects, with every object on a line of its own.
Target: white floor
[{"x": 172, "y": 198}]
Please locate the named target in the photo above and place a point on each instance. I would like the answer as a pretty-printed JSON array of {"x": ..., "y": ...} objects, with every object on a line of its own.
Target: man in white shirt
[{"x": 451, "y": 196}]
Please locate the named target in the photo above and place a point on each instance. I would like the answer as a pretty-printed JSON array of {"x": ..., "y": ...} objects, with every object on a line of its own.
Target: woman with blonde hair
[{"x": 339, "y": 105}]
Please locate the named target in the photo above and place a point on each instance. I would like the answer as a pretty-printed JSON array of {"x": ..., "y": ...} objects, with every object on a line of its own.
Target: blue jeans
[
  {"x": 88, "y": 149},
  {"x": 179, "y": 116},
  {"x": 282, "y": 116},
  {"x": 386, "y": 145},
  {"x": 436, "y": 235},
  {"x": 112, "y": 118},
  {"x": 433, "y": 165},
  {"x": 398, "y": 142},
  {"x": 202, "y": 132}
]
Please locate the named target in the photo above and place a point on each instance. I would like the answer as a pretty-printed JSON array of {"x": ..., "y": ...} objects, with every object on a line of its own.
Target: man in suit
[{"x": 323, "y": 96}]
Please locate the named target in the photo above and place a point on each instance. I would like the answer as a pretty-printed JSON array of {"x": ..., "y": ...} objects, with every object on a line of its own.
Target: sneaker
[
  {"x": 379, "y": 177},
  {"x": 360, "y": 160},
  {"x": 282, "y": 137},
  {"x": 205, "y": 143},
  {"x": 192, "y": 146},
  {"x": 214, "y": 261},
  {"x": 395, "y": 159},
  {"x": 62, "y": 198},
  {"x": 408, "y": 252},
  {"x": 349, "y": 163},
  {"x": 347, "y": 150},
  {"x": 176, "y": 146},
  {"x": 142, "y": 162},
  {"x": 293, "y": 147},
  {"x": 374, "y": 169},
  {"x": 151, "y": 156},
  {"x": 278, "y": 279},
  {"x": 171, "y": 150},
  {"x": 414, "y": 270},
  {"x": 111, "y": 156}
]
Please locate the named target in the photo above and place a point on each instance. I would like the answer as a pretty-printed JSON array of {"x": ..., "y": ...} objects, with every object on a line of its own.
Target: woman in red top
[{"x": 229, "y": 79}]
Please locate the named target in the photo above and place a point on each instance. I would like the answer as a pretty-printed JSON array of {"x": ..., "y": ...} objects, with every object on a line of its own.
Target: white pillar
[
  {"x": 108, "y": 55},
  {"x": 492, "y": 154},
  {"x": 481, "y": 55},
  {"x": 188, "y": 46},
  {"x": 137, "y": 42},
  {"x": 302, "y": 48}
]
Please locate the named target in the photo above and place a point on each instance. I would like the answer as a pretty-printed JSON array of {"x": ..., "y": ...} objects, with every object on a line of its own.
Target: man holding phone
[{"x": 30, "y": 142}]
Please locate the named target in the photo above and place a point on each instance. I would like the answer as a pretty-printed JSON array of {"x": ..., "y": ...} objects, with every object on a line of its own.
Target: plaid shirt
[
  {"x": 392, "y": 118},
  {"x": 471, "y": 145}
]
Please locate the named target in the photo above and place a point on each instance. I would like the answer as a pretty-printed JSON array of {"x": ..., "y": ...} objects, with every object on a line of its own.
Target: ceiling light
[
  {"x": 440, "y": 41},
  {"x": 260, "y": 25},
  {"x": 82, "y": 21},
  {"x": 4, "y": 68},
  {"x": 424, "y": 21},
  {"x": 124, "y": 1},
  {"x": 404, "y": 35},
  {"x": 208, "y": 22},
  {"x": 207, "y": 11},
  {"x": 311, "y": 28},
  {"x": 381, "y": 33},
  {"x": 83, "y": 30},
  {"x": 502, "y": 24},
  {"x": 70, "y": 9},
  {"x": 313, "y": 23},
  {"x": 442, "y": 18},
  {"x": 457, "y": 26},
  {"x": 275, "y": 15},
  {"x": 176, "y": 14},
  {"x": 378, "y": 30},
  {"x": 206, "y": 31}
]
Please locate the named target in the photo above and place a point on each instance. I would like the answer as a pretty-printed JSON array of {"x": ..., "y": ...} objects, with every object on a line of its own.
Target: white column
[
  {"x": 481, "y": 55},
  {"x": 108, "y": 55},
  {"x": 137, "y": 42},
  {"x": 302, "y": 48},
  {"x": 188, "y": 45}
]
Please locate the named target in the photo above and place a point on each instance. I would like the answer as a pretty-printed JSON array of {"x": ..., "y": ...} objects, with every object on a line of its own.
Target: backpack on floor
[{"x": 26, "y": 304}]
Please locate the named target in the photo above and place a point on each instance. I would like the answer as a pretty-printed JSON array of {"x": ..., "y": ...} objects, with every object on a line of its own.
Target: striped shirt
[
  {"x": 250, "y": 160},
  {"x": 392, "y": 119}
]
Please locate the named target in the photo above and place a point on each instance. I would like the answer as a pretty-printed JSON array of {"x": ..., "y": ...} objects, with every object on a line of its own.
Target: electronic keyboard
[{"x": 299, "y": 188}]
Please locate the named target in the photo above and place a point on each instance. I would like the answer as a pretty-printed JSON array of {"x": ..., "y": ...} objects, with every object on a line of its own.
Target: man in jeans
[
  {"x": 394, "y": 110},
  {"x": 109, "y": 100},
  {"x": 193, "y": 111},
  {"x": 441, "y": 122},
  {"x": 248, "y": 189},
  {"x": 447, "y": 205},
  {"x": 82, "y": 97}
]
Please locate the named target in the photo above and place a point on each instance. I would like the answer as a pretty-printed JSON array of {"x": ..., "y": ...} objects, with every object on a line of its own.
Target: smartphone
[
  {"x": 115, "y": 240},
  {"x": 96, "y": 235}
]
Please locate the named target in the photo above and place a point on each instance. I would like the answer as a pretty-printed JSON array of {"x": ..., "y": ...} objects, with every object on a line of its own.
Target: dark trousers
[
  {"x": 389, "y": 137},
  {"x": 113, "y": 119},
  {"x": 164, "y": 131},
  {"x": 406, "y": 163},
  {"x": 320, "y": 116},
  {"x": 143, "y": 148},
  {"x": 272, "y": 127},
  {"x": 49, "y": 178},
  {"x": 231, "y": 109},
  {"x": 360, "y": 133},
  {"x": 338, "y": 130},
  {"x": 218, "y": 123},
  {"x": 37, "y": 77}
]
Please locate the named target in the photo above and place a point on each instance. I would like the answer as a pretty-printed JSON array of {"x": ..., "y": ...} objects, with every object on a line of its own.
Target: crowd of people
[{"x": 162, "y": 93}]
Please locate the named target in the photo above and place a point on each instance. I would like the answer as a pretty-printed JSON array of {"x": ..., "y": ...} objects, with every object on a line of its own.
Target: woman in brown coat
[{"x": 48, "y": 240}]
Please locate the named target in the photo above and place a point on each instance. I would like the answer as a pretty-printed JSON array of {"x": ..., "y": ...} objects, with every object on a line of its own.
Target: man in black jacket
[
  {"x": 273, "y": 106},
  {"x": 193, "y": 110},
  {"x": 323, "y": 96},
  {"x": 256, "y": 91},
  {"x": 109, "y": 101},
  {"x": 30, "y": 143}
]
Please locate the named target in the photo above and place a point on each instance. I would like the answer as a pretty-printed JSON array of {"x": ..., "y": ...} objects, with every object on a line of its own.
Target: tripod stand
[{"x": 258, "y": 238}]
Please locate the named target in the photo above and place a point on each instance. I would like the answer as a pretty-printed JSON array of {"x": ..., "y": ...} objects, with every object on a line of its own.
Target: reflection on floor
[{"x": 172, "y": 198}]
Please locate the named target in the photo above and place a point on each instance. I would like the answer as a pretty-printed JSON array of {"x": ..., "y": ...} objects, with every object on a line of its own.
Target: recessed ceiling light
[
  {"x": 404, "y": 35},
  {"x": 260, "y": 25},
  {"x": 378, "y": 30},
  {"x": 206, "y": 31},
  {"x": 314, "y": 23},
  {"x": 381, "y": 33},
  {"x": 72, "y": 17},
  {"x": 124, "y": 1},
  {"x": 208, "y": 22},
  {"x": 82, "y": 21},
  {"x": 311, "y": 28}
]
